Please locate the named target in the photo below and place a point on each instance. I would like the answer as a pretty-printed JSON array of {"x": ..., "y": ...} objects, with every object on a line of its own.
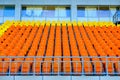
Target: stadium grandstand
[{"x": 59, "y": 39}]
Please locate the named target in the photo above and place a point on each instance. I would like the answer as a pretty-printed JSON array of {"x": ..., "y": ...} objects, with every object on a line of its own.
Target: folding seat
[
  {"x": 111, "y": 36},
  {"x": 3, "y": 67},
  {"x": 66, "y": 52},
  {"x": 36, "y": 66},
  {"x": 117, "y": 66},
  {"x": 87, "y": 66},
  {"x": 109, "y": 67},
  {"x": 26, "y": 66},
  {"x": 15, "y": 65},
  {"x": 46, "y": 68},
  {"x": 116, "y": 34}
]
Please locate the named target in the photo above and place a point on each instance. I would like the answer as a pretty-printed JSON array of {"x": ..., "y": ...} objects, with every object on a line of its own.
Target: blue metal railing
[
  {"x": 94, "y": 66},
  {"x": 116, "y": 17}
]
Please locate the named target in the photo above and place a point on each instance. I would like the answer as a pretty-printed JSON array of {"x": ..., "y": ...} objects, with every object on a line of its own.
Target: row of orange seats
[
  {"x": 58, "y": 50},
  {"x": 66, "y": 50}
]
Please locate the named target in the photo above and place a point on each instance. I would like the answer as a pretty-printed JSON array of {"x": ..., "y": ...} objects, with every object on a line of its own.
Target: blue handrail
[{"x": 116, "y": 17}]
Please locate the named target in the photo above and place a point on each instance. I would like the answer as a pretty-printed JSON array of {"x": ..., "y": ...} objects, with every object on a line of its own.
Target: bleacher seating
[{"x": 59, "y": 47}]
